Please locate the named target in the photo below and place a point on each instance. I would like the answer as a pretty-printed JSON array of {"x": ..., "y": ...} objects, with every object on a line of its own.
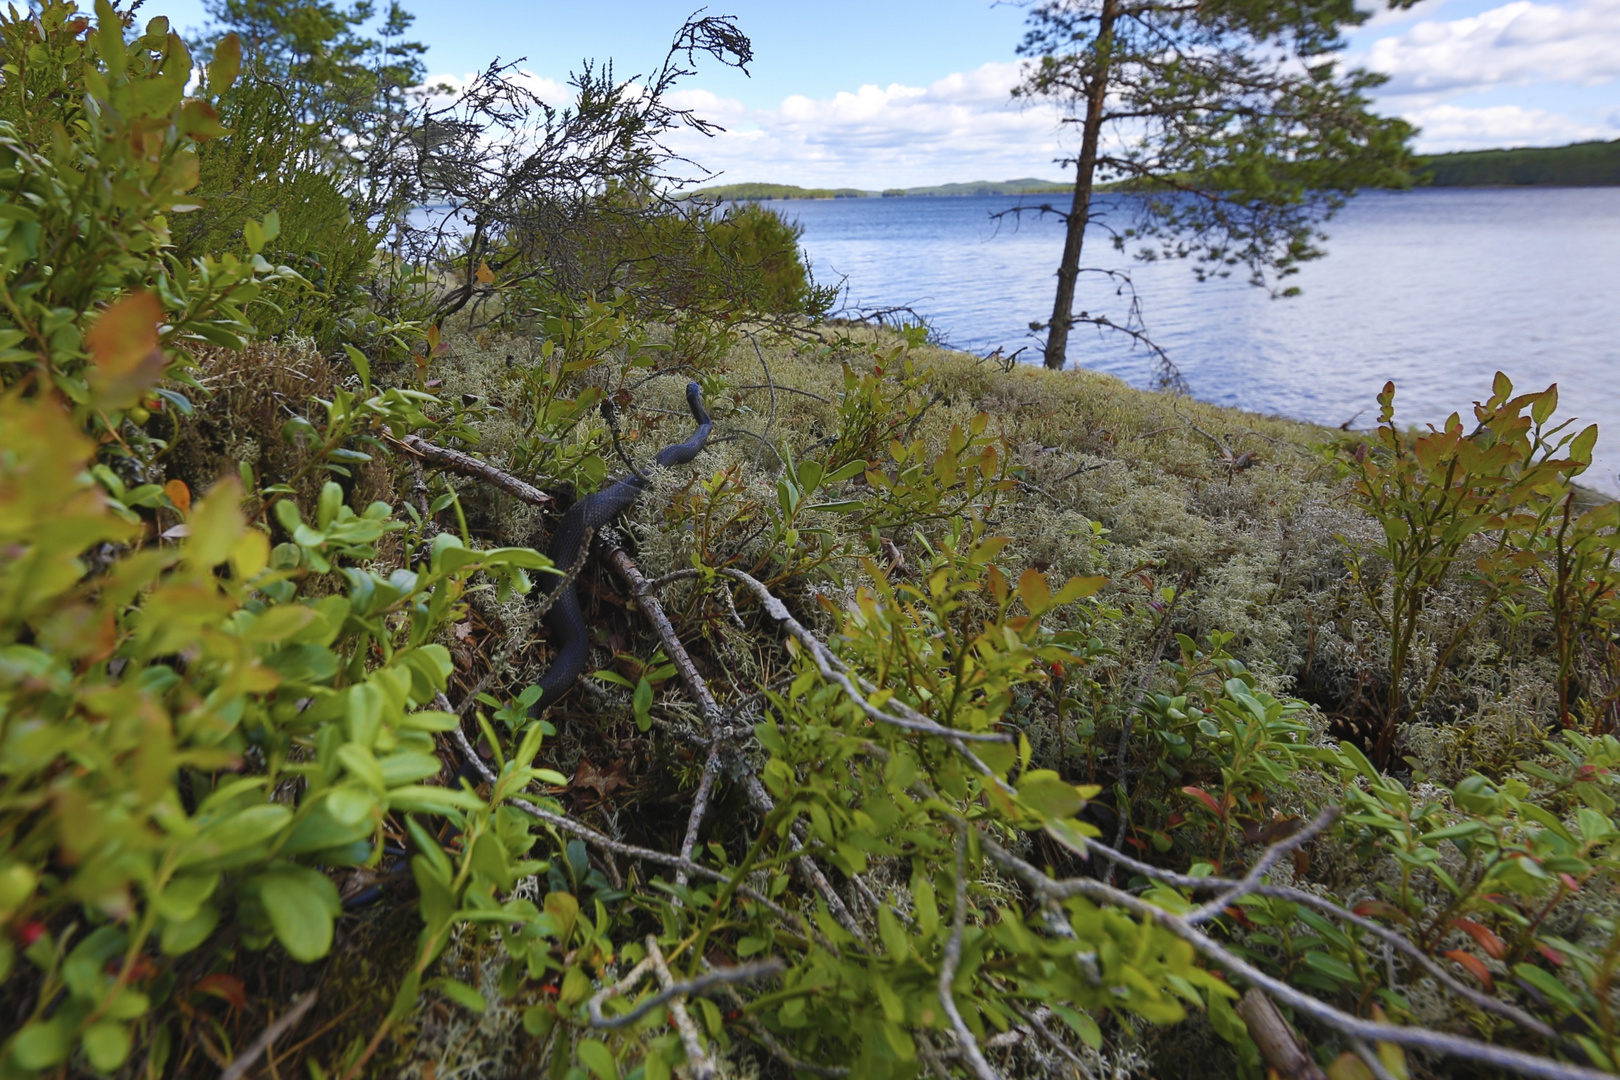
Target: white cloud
[
  {"x": 961, "y": 127},
  {"x": 1453, "y": 127},
  {"x": 1382, "y": 15},
  {"x": 964, "y": 126},
  {"x": 1514, "y": 44}
]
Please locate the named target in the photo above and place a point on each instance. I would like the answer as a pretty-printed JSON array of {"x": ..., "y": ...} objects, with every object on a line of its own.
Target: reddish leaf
[
  {"x": 1483, "y": 936},
  {"x": 140, "y": 969},
  {"x": 1206, "y": 798},
  {"x": 1369, "y": 908},
  {"x": 1570, "y": 883},
  {"x": 1262, "y": 832},
  {"x": 1472, "y": 964},
  {"x": 228, "y": 988},
  {"x": 1553, "y": 955},
  {"x": 1238, "y": 916},
  {"x": 179, "y": 494},
  {"x": 124, "y": 346}
]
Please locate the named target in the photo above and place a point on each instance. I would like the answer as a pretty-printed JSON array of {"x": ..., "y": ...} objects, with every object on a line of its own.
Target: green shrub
[
  {"x": 88, "y": 193},
  {"x": 1440, "y": 495},
  {"x": 762, "y": 249},
  {"x": 269, "y": 162},
  {"x": 186, "y": 730}
]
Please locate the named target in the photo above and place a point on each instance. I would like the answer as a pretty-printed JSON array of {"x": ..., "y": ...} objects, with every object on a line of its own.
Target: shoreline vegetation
[{"x": 1583, "y": 164}]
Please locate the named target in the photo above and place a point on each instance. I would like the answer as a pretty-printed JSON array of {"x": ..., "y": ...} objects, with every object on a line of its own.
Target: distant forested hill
[
  {"x": 744, "y": 192},
  {"x": 748, "y": 192},
  {"x": 1587, "y": 164},
  {"x": 1026, "y": 186}
]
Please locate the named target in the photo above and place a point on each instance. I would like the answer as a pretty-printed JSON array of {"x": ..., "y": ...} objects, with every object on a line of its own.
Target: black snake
[{"x": 565, "y": 618}]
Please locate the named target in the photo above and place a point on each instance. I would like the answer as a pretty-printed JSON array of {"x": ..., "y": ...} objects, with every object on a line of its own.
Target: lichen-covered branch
[{"x": 467, "y": 465}]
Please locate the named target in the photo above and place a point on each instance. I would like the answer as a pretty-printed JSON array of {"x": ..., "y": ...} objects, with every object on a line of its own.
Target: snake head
[{"x": 694, "y": 401}]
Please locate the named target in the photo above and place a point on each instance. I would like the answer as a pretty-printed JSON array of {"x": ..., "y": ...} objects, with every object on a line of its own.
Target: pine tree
[
  {"x": 1230, "y": 123},
  {"x": 335, "y": 75}
]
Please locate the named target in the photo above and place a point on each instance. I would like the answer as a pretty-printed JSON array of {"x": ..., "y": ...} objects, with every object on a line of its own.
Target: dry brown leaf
[{"x": 124, "y": 350}]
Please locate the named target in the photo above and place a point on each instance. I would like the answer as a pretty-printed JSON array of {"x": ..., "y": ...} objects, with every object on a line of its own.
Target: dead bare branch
[{"x": 256, "y": 1049}]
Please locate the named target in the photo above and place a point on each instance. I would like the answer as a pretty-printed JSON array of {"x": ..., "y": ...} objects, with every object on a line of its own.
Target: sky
[{"x": 900, "y": 93}]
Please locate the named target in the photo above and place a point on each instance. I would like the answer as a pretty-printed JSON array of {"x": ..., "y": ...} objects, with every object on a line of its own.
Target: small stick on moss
[
  {"x": 700, "y": 806},
  {"x": 1036, "y": 1019},
  {"x": 748, "y": 972},
  {"x": 287, "y": 1021},
  {"x": 966, "y": 1043},
  {"x": 697, "y": 1059},
  {"x": 1276, "y": 1039},
  {"x": 784, "y": 389},
  {"x": 675, "y": 649},
  {"x": 770, "y": 382},
  {"x": 1262, "y": 866},
  {"x": 832, "y": 669},
  {"x": 807, "y": 866}
]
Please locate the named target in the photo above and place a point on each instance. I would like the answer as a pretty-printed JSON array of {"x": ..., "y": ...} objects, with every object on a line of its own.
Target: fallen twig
[
  {"x": 675, "y": 649},
  {"x": 748, "y": 972},
  {"x": 287, "y": 1021},
  {"x": 1262, "y": 866},
  {"x": 1353, "y": 1027},
  {"x": 833, "y": 670},
  {"x": 1282, "y": 892},
  {"x": 953, "y": 956},
  {"x": 468, "y": 465},
  {"x": 1276, "y": 1039},
  {"x": 784, "y": 389}
]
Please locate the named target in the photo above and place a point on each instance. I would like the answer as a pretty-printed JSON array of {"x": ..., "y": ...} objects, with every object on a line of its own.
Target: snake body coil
[{"x": 565, "y": 618}]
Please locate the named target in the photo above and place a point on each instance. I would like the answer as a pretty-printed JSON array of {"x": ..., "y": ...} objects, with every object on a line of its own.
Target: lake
[{"x": 1436, "y": 289}]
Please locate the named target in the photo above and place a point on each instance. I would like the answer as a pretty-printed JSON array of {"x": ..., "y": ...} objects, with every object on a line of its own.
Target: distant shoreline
[
  {"x": 763, "y": 192},
  {"x": 1585, "y": 164}
]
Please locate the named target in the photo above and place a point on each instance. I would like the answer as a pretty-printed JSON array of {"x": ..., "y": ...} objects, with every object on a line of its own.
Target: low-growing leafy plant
[
  {"x": 156, "y": 711},
  {"x": 1434, "y": 495}
]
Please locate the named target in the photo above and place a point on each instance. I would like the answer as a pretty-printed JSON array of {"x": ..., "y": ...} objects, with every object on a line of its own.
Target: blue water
[{"x": 1434, "y": 289}]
